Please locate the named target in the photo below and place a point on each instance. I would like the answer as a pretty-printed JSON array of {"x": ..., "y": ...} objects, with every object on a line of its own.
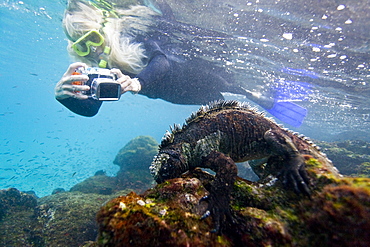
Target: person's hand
[
  {"x": 127, "y": 83},
  {"x": 68, "y": 84}
]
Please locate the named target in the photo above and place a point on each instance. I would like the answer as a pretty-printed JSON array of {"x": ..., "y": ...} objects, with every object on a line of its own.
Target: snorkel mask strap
[
  {"x": 105, "y": 7},
  {"x": 104, "y": 57}
]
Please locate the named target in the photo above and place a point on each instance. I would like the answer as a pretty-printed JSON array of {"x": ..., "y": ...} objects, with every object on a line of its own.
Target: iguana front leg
[
  {"x": 219, "y": 194},
  {"x": 293, "y": 172}
]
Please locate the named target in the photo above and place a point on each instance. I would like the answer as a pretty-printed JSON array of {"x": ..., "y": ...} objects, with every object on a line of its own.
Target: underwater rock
[
  {"x": 58, "y": 190},
  {"x": 17, "y": 218},
  {"x": 100, "y": 172},
  {"x": 265, "y": 214},
  {"x": 98, "y": 184},
  {"x": 134, "y": 160},
  {"x": 363, "y": 170},
  {"x": 138, "y": 181},
  {"x": 68, "y": 219},
  {"x": 62, "y": 219},
  {"x": 350, "y": 157},
  {"x": 13, "y": 199},
  {"x": 167, "y": 215},
  {"x": 340, "y": 214},
  {"x": 137, "y": 153},
  {"x": 357, "y": 146},
  {"x": 351, "y": 135}
]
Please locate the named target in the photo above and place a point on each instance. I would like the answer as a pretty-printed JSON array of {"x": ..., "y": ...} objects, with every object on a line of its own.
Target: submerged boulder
[
  {"x": 350, "y": 157},
  {"x": 137, "y": 154},
  {"x": 17, "y": 218},
  {"x": 134, "y": 160},
  {"x": 167, "y": 215},
  {"x": 265, "y": 213},
  {"x": 98, "y": 184},
  {"x": 337, "y": 213},
  {"x": 62, "y": 219},
  {"x": 67, "y": 219}
]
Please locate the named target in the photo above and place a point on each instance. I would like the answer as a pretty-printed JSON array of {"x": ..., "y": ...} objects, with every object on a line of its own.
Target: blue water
[{"x": 44, "y": 146}]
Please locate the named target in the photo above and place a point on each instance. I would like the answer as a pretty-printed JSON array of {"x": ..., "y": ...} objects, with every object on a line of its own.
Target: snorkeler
[{"x": 119, "y": 37}]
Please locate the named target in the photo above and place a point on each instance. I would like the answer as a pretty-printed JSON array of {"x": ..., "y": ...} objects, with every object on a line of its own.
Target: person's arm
[
  {"x": 157, "y": 68},
  {"x": 146, "y": 82},
  {"x": 86, "y": 108},
  {"x": 67, "y": 93}
]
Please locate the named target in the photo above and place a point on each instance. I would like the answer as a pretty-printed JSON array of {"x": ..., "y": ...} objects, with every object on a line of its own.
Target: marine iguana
[{"x": 225, "y": 132}]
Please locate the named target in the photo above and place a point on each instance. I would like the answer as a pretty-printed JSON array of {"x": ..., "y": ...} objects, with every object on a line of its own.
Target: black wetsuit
[{"x": 176, "y": 79}]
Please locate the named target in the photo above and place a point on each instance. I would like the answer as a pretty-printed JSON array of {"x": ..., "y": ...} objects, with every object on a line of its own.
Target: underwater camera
[{"x": 102, "y": 83}]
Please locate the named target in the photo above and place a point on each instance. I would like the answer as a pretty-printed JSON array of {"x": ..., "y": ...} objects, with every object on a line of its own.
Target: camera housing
[{"x": 102, "y": 83}]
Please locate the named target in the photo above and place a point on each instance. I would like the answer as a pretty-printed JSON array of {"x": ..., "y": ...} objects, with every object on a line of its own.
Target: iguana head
[{"x": 168, "y": 164}]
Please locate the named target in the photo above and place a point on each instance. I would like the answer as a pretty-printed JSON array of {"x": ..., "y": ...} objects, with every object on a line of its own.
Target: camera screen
[{"x": 109, "y": 91}]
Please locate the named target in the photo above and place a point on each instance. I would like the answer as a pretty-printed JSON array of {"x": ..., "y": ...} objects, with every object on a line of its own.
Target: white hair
[{"x": 119, "y": 26}]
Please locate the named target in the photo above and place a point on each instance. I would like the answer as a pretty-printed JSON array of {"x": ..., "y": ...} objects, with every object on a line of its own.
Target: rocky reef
[
  {"x": 134, "y": 160},
  {"x": 69, "y": 218},
  {"x": 352, "y": 158},
  {"x": 62, "y": 219},
  {"x": 265, "y": 214},
  {"x": 17, "y": 218},
  {"x": 97, "y": 212}
]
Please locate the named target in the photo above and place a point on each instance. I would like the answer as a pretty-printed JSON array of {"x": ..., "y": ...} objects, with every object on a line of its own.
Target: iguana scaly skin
[{"x": 226, "y": 132}]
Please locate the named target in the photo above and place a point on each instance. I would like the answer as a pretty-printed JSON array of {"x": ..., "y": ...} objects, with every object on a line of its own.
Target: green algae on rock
[
  {"x": 16, "y": 215},
  {"x": 337, "y": 212},
  {"x": 134, "y": 159},
  {"x": 339, "y": 215},
  {"x": 62, "y": 219},
  {"x": 350, "y": 157},
  {"x": 137, "y": 153},
  {"x": 167, "y": 215},
  {"x": 99, "y": 184}
]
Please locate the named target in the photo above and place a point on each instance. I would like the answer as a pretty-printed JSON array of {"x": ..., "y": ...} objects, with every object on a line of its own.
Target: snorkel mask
[
  {"x": 84, "y": 44},
  {"x": 90, "y": 41}
]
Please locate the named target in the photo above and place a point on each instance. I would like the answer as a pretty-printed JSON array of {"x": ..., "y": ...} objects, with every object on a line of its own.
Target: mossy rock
[
  {"x": 69, "y": 219},
  {"x": 17, "y": 218},
  {"x": 266, "y": 213},
  {"x": 158, "y": 218},
  {"x": 100, "y": 184},
  {"x": 339, "y": 215},
  {"x": 350, "y": 157},
  {"x": 137, "y": 154}
]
